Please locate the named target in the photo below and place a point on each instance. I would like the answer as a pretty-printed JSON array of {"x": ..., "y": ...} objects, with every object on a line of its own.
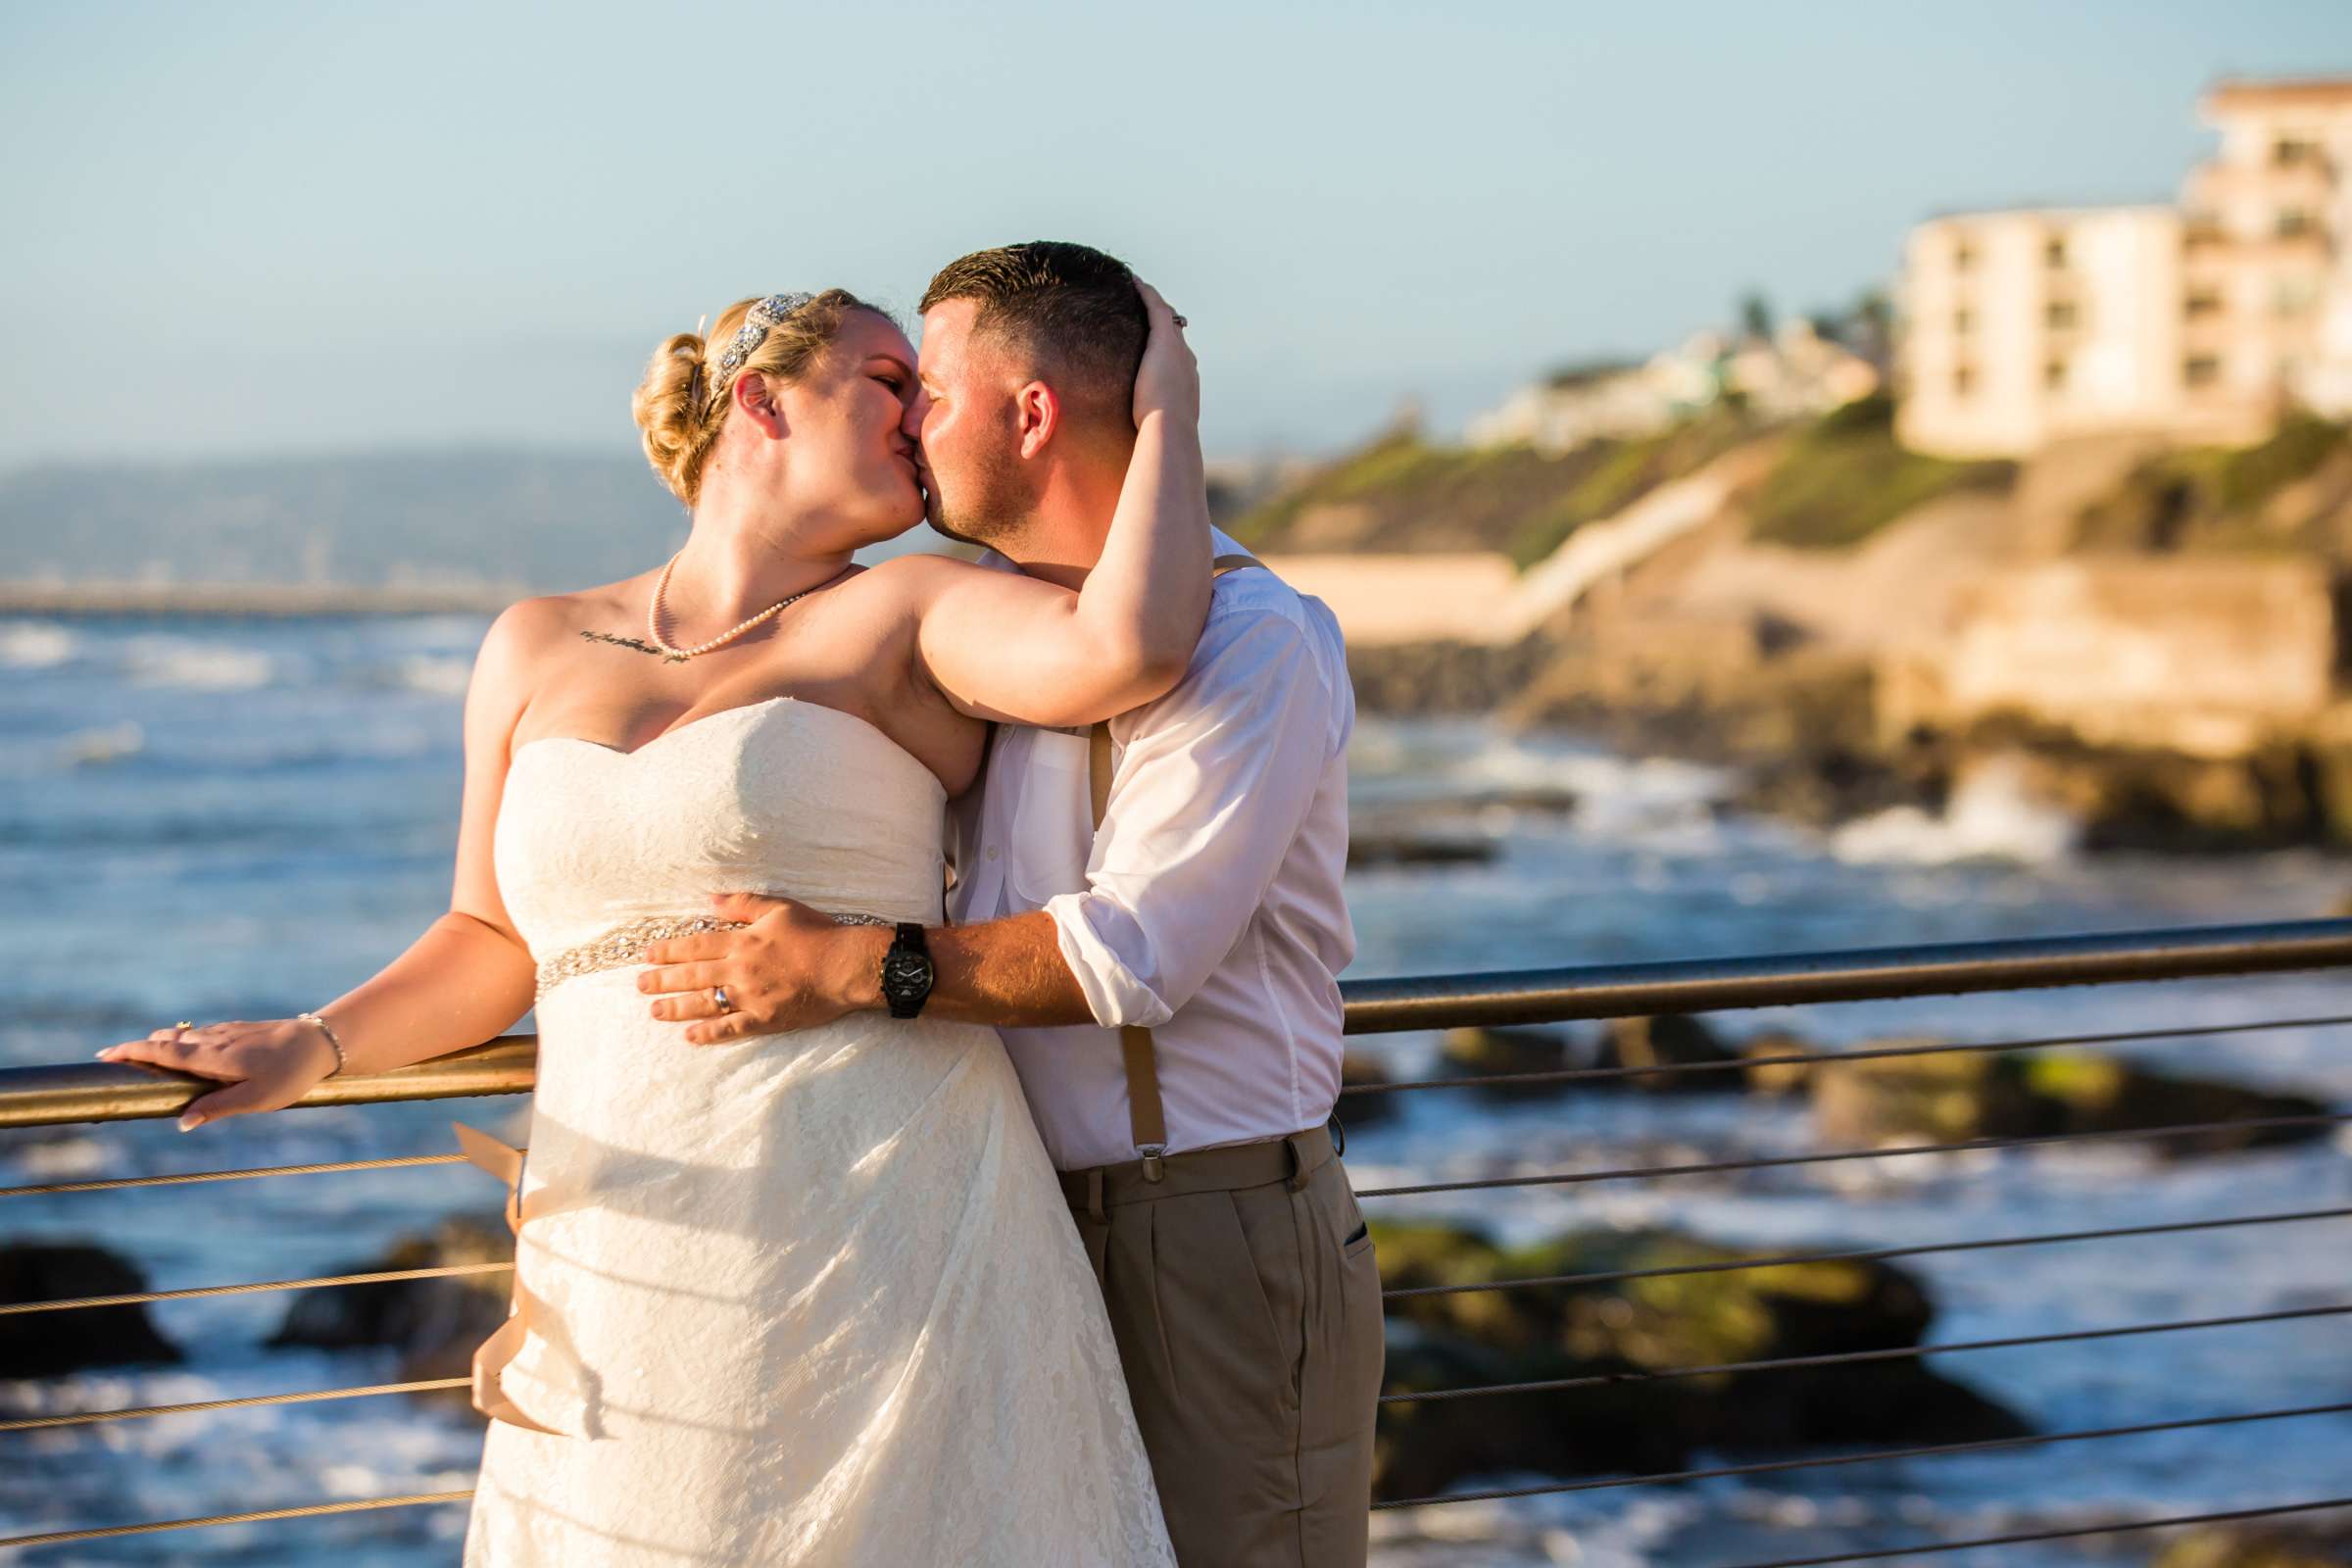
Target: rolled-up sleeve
[{"x": 1210, "y": 789}]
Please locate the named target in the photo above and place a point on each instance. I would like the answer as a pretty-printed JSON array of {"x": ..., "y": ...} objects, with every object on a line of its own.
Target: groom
[{"x": 1152, "y": 916}]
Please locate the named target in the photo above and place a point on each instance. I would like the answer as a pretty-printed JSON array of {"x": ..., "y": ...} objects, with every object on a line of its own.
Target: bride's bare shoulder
[
  {"x": 529, "y": 634},
  {"x": 537, "y": 625}
]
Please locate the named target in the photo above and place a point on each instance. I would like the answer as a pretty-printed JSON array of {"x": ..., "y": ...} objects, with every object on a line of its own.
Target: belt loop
[
  {"x": 1299, "y": 1174},
  {"x": 1093, "y": 1195}
]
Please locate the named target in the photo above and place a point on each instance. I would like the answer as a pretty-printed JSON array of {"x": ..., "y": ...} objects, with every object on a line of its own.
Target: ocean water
[{"x": 230, "y": 819}]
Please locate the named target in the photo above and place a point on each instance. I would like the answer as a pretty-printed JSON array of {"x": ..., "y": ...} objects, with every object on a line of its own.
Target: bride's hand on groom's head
[
  {"x": 790, "y": 967},
  {"x": 1168, "y": 380}
]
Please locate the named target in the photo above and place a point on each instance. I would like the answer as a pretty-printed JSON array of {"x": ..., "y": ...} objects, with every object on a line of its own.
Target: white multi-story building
[{"x": 2198, "y": 322}]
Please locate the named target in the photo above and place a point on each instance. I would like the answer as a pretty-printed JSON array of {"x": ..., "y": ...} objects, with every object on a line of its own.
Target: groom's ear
[{"x": 1037, "y": 415}]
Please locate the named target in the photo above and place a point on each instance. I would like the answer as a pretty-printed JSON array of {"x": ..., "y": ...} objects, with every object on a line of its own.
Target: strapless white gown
[{"x": 809, "y": 1299}]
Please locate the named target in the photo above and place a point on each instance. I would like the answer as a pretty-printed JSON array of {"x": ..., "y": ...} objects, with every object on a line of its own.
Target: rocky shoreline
[{"x": 1799, "y": 729}]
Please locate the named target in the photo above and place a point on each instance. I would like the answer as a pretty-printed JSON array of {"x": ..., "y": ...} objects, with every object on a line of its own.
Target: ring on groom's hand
[
  {"x": 718, "y": 999},
  {"x": 1178, "y": 320}
]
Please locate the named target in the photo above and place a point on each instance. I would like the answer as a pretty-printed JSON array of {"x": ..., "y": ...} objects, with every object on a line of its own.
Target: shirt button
[{"x": 992, "y": 852}]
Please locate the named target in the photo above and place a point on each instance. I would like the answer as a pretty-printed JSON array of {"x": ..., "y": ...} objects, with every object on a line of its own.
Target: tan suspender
[{"x": 1145, "y": 1117}]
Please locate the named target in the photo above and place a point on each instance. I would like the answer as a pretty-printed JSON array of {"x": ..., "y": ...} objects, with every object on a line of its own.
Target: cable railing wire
[
  {"x": 1895, "y": 1151},
  {"x": 308, "y": 1510},
  {"x": 1872, "y": 1457},
  {"x": 2070, "y": 1532},
  {"x": 1872, "y": 1255},
  {"x": 1896, "y": 1352},
  {"x": 184, "y": 1178},
  {"x": 78, "y": 1418},
  {"x": 138, "y": 1298},
  {"x": 1562, "y": 1075},
  {"x": 1770, "y": 1260}
]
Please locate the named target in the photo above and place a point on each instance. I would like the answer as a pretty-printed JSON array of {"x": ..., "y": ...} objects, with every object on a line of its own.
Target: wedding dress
[{"x": 806, "y": 1298}]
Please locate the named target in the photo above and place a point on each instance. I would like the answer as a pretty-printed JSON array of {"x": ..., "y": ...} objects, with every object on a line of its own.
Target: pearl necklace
[{"x": 653, "y": 618}]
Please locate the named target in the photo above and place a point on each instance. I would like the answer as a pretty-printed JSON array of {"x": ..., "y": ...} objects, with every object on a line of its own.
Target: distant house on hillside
[
  {"x": 1796, "y": 371},
  {"x": 2199, "y": 322}
]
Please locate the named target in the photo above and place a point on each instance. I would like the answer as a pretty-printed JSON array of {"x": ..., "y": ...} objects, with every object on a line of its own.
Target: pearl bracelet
[{"x": 328, "y": 1030}]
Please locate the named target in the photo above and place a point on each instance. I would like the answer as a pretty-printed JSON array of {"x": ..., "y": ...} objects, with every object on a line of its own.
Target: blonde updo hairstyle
[{"x": 680, "y": 410}]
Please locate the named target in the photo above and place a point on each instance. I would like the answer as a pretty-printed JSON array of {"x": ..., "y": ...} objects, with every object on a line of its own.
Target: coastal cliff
[{"x": 2148, "y": 639}]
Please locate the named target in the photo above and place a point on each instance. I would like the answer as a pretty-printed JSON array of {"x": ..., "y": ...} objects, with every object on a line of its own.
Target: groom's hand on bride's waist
[{"x": 790, "y": 968}]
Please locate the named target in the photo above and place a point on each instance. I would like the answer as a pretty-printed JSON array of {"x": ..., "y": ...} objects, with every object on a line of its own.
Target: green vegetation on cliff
[
  {"x": 2215, "y": 498},
  {"x": 1404, "y": 494},
  {"x": 1625, "y": 472},
  {"x": 1845, "y": 478}
]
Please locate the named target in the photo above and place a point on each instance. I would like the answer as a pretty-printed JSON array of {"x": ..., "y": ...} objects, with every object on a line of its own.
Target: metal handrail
[
  {"x": 50, "y": 1095},
  {"x": 107, "y": 1092}
]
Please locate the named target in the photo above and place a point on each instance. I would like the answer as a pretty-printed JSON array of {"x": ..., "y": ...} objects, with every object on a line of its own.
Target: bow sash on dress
[{"x": 490, "y": 1357}]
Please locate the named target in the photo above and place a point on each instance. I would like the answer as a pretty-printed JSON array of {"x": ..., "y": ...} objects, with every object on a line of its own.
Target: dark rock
[
  {"x": 1445, "y": 678},
  {"x": 1954, "y": 1097},
  {"x": 1534, "y": 799},
  {"x": 2261, "y": 1545},
  {"x": 1767, "y": 1073},
  {"x": 1364, "y": 1111},
  {"x": 1425, "y": 1447},
  {"x": 1471, "y": 1052},
  {"x": 1373, "y": 848},
  {"x": 1943, "y": 1097},
  {"x": 1668, "y": 1040},
  {"x": 47, "y": 1344},
  {"x": 435, "y": 1324},
  {"x": 1625, "y": 1328},
  {"x": 2099, "y": 1094}
]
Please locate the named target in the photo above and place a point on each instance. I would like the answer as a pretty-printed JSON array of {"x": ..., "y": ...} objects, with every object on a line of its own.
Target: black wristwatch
[{"x": 906, "y": 971}]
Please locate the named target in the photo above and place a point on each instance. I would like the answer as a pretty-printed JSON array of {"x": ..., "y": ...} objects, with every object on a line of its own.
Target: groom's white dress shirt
[{"x": 1208, "y": 908}]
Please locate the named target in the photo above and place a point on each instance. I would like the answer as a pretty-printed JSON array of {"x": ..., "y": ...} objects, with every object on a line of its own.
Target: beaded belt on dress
[{"x": 625, "y": 943}]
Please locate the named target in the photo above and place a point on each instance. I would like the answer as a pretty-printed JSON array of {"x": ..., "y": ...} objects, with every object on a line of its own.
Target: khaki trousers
[{"x": 1246, "y": 1302}]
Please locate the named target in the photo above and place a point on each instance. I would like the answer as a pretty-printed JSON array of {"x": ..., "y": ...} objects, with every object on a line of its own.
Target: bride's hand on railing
[
  {"x": 266, "y": 1065},
  {"x": 1168, "y": 380}
]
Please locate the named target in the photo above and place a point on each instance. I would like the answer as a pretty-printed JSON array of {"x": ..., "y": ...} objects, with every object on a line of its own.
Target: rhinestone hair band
[{"x": 763, "y": 315}]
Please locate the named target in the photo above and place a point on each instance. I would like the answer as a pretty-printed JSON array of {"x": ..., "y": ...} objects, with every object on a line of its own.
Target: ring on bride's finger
[
  {"x": 718, "y": 998},
  {"x": 185, "y": 1024}
]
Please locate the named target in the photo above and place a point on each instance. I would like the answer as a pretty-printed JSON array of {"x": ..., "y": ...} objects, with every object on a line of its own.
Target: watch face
[{"x": 906, "y": 979}]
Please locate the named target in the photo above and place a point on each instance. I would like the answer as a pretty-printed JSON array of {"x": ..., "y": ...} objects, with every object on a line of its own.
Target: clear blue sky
[{"x": 230, "y": 229}]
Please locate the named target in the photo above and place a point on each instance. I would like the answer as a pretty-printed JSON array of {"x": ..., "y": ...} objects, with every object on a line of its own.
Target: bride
[{"x": 814, "y": 1298}]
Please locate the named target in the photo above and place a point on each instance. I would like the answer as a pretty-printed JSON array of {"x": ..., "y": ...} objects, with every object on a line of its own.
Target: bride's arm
[
  {"x": 466, "y": 980},
  {"x": 1005, "y": 646}
]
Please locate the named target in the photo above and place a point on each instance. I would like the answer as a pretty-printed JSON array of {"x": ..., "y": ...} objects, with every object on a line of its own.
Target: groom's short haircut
[{"x": 1070, "y": 310}]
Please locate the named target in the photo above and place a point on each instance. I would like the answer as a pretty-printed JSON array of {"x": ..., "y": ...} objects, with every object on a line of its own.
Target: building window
[
  {"x": 1964, "y": 381},
  {"x": 2201, "y": 369},
  {"x": 2203, "y": 302},
  {"x": 2292, "y": 297},
  {"x": 1964, "y": 320},
  {"x": 2053, "y": 374},
  {"x": 2060, "y": 314},
  {"x": 2291, "y": 152},
  {"x": 2053, "y": 250},
  {"x": 1964, "y": 257},
  {"x": 2293, "y": 223}
]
